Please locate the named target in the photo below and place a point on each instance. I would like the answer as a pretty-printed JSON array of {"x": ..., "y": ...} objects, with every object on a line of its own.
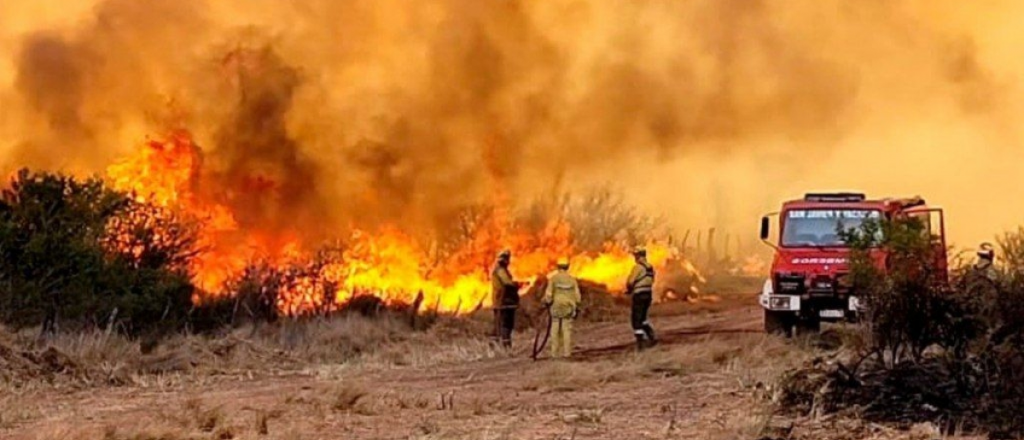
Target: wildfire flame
[{"x": 386, "y": 263}]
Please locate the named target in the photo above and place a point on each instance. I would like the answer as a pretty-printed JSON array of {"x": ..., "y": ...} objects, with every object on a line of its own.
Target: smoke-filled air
[{"x": 283, "y": 125}]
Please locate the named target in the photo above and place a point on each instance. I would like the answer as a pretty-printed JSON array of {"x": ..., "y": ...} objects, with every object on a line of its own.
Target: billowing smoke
[{"x": 321, "y": 112}]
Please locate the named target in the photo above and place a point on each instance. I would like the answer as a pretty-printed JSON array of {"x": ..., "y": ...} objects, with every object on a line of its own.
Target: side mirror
[{"x": 765, "y": 226}]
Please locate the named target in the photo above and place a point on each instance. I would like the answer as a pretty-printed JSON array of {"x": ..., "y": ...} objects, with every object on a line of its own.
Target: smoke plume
[{"x": 316, "y": 114}]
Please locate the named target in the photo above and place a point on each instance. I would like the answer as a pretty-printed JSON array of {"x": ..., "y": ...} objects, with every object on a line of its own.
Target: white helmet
[{"x": 986, "y": 250}]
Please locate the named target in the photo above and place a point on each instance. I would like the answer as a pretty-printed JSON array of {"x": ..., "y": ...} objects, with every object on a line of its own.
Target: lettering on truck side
[{"x": 834, "y": 260}]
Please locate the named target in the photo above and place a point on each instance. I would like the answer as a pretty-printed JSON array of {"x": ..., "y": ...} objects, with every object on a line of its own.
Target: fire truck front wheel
[
  {"x": 808, "y": 327},
  {"x": 778, "y": 323}
]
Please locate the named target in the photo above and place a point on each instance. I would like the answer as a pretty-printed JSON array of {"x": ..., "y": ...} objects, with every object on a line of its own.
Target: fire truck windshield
[{"x": 820, "y": 227}]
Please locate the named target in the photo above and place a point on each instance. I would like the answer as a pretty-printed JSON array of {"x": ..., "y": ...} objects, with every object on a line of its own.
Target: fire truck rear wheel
[{"x": 778, "y": 323}]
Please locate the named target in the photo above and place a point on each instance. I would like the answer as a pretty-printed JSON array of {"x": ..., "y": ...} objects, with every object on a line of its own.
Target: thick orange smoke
[{"x": 320, "y": 115}]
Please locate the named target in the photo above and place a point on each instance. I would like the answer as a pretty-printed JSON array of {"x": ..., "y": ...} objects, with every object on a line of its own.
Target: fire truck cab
[{"x": 809, "y": 283}]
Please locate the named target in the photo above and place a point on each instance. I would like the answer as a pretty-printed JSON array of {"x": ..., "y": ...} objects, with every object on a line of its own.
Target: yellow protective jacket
[
  {"x": 562, "y": 294},
  {"x": 504, "y": 288},
  {"x": 641, "y": 278}
]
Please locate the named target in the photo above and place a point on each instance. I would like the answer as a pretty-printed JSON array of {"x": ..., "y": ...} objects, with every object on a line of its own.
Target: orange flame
[{"x": 387, "y": 263}]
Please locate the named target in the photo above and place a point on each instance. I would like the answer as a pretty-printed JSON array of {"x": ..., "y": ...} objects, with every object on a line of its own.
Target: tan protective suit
[
  {"x": 563, "y": 296},
  {"x": 985, "y": 268}
]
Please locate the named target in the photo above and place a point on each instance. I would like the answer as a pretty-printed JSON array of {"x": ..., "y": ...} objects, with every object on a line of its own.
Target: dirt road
[{"x": 699, "y": 383}]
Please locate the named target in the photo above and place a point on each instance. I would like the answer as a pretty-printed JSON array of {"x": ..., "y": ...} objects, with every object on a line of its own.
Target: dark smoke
[
  {"x": 319, "y": 114},
  {"x": 261, "y": 172},
  {"x": 52, "y": 80}
]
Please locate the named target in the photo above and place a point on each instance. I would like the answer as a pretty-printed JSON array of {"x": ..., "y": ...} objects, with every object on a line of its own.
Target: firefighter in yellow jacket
[
  {"x": 640, "y": 288},
  {"x": 505, "y": 299},
  {"x": 562, "y": 296}
]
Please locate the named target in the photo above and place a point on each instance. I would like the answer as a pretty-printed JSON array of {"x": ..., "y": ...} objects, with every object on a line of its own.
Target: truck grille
[
  {"x": 789, "y": 283},
  {"x": 823, "y": 284}
]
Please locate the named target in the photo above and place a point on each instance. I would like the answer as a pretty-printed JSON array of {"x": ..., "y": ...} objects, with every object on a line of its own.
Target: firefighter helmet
[
  {"x": 505, "y": 254},
  {"x": 986, "y": 250},
  {"x": 562, "y": 263},
  {"x": 640, "y": 251}
]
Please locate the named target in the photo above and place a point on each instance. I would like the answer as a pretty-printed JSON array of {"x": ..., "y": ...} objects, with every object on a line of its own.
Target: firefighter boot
[
  {"x": 641, "y": 342},
  {"x": 649, "y": 332}
]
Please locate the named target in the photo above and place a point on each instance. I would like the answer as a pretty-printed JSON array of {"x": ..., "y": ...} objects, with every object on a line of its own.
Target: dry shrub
[
  {"x": 347, "y": 395},
  {"x": 104, "y": 358},
  {"x": 450, "y": 328},
  {"x": 595, "y": 216},
  {"x": 424, "y": 349},
  {"x": 951, "y": 354},
  {"x": 100, "y": 358},
  {"x": 90, "y": 358},
  {"x": 340, "y": 339},
  {"x": 600, "y": 305}
]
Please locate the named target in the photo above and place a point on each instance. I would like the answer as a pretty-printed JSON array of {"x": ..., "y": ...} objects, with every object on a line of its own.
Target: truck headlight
[{"x": 779, "y": 302}]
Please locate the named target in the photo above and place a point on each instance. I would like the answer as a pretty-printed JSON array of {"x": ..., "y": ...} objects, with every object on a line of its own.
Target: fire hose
[{"x": 540, "y": 342}]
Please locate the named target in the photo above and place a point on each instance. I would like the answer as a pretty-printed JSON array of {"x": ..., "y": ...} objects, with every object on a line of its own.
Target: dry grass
[
  {"x": 13, "y": 409},
  {"x": 351, "y": 383},
  {"x": 347, "y": 395},
  {"x": 560, "y": 377},
  {"x": 753, "y": 360},
  {"x": 99, "y": 358}
]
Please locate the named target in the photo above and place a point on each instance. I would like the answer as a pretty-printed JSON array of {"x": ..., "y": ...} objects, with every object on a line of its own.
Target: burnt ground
[{"x": 712, "y": 377}]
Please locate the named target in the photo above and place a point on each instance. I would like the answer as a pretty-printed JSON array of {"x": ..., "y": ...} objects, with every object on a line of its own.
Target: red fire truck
[{"x": 809, "y": 281}]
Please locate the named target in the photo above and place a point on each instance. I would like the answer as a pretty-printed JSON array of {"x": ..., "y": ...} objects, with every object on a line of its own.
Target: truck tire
[
  {"x": 778, "y": 323},
  {"x": 808, "y": 326}
]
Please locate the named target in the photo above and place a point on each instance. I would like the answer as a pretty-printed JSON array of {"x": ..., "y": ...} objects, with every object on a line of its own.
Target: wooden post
[
  {"x": 725, "y": 246},
  {"x": 699, "y": 251},
  {"x": 414, "y": 313},
  {"x": 712, "y": 255}
]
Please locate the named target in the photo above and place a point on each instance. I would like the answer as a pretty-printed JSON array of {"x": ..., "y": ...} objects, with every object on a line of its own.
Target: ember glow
[{"x": 386, "y": 263}]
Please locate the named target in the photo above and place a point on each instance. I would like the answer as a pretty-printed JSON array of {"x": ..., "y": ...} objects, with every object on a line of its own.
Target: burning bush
[
  {"x": 153, "y": 253},
  {"x": 595, "y": 217}
]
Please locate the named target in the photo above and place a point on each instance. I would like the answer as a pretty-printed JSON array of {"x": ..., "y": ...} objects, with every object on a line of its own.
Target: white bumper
[
  {"x": 791, "y": 303},
  {"x": 782, "y": 303}
]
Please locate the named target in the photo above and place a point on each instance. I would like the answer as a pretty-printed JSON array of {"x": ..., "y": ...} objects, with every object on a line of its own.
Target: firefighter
[
  {"x": 505, "y": 298},
  {"x": 562, "y": 297},
  {"x": 984, "y": 267},
  {"x": 640, "y": 289}
]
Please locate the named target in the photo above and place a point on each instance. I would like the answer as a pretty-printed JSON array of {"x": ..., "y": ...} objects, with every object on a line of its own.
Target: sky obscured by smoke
[{"x": 704, "y": 112}]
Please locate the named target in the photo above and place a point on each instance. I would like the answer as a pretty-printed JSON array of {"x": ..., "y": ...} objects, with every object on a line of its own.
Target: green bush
[
  {"x": 75, "y": 254},
  {"x": 955, "y": 345},
  {"x": 896, "y": 271}
]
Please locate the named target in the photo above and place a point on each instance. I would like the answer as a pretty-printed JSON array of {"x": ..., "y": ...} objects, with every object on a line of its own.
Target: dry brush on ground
[{"x": 930, "y": 353}]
